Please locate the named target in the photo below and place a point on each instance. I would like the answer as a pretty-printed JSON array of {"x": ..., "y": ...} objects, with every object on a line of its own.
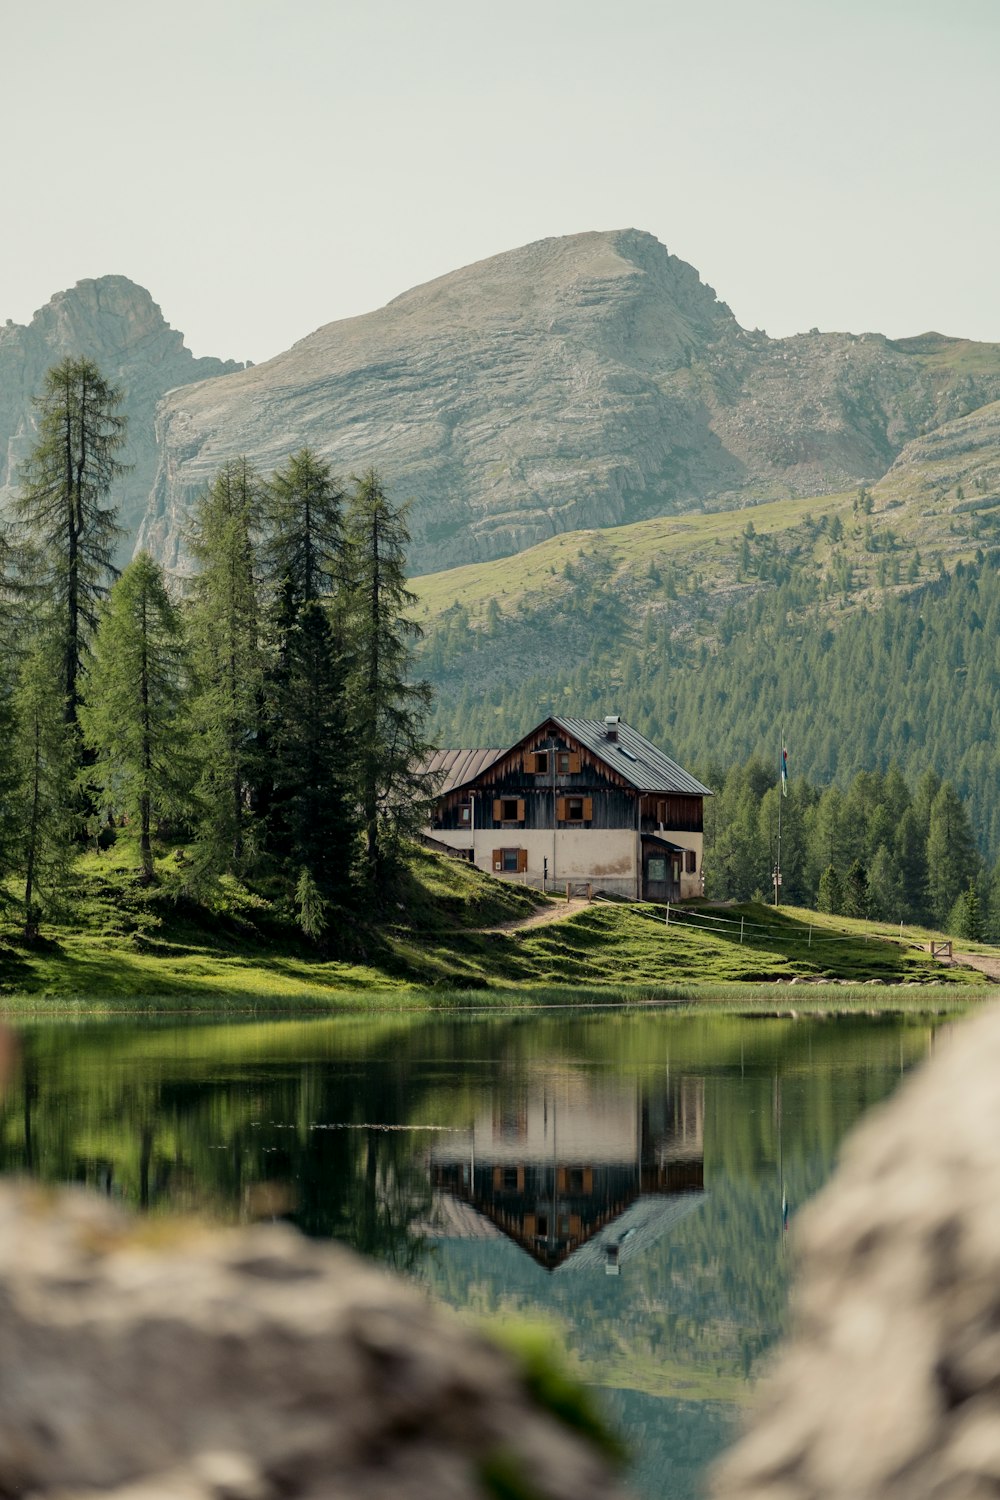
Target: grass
[{"x": 121, "y": 948}]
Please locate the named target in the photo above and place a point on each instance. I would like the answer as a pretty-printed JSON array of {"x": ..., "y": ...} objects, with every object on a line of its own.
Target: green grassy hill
[{"x": 120, "y": 946}]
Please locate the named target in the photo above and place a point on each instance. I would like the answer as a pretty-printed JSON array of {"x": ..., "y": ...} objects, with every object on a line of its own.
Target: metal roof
[
  {"x": 632, "y": 1232},
  {"x": 635, "y": 758},
  {"x": 456, "y": 767}
]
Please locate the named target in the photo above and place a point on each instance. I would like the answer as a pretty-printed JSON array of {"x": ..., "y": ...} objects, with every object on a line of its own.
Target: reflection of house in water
[{"x": 580, "y": 1169}]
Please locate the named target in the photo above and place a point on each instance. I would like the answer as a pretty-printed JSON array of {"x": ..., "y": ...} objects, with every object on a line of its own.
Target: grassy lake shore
[{"x": 455, "y": 939}]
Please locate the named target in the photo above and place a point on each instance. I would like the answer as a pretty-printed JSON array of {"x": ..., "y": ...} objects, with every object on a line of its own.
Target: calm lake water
[{"x": 627, "y": 1179}]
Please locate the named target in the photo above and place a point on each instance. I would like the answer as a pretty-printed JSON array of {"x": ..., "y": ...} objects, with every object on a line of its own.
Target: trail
[
  {"x": 547, "y": 914},
  {"x": 985, "y": 963}
]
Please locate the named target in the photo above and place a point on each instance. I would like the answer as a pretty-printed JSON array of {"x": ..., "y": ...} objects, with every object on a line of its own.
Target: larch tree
[
  {"x": 387, "y": 709},
  {"x": 227, "y": 662},
  {"x": 132, "y": 711},
  {"x": 65, "y": 507}
]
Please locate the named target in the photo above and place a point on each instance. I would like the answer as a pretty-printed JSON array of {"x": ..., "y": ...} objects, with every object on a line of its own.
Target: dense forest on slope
[{"x": 852, "y": 684}]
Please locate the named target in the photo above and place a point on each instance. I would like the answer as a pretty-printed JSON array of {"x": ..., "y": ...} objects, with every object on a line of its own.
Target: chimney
[{"x": 611, "y": 722}]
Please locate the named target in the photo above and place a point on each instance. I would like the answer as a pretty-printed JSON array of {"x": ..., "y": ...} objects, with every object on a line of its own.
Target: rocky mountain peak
[{"x": 116, "y": 323}]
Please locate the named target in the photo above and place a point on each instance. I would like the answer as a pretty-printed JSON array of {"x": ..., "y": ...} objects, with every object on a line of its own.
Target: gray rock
[
  {"x": 576, "y": 382},
  {"x": 151, "y": 1359},
  {"x": 119, "y": 326},
  {"x": 890, "y": 1385}
]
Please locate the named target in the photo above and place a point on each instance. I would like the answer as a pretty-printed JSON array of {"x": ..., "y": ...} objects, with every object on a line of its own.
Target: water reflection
[
  {"x": 509, "y": 1164},
  {"x": 579, "y": 1170}
]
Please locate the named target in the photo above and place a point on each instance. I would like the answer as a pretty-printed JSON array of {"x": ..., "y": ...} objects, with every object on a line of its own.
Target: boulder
[
  {"x": 147, "y": 1358},
  {"x": 890, "y": 1384}
]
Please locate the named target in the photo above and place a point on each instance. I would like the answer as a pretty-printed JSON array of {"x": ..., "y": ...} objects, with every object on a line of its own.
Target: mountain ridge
[{"x": 115, "y": 322}]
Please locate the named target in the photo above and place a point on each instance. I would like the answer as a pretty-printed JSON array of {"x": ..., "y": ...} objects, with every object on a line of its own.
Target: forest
[
  {"x": 884, "y": 711},
  {"x": 261, "y": 717}
]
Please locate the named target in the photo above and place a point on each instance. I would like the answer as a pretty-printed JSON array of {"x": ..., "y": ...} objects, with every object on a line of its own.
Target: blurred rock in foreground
[
  {"x": 139, "y": 1358},
  {"x": 890, "y": 1385}
]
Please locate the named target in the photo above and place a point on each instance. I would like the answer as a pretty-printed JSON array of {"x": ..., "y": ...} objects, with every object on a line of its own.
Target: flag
[{"x": 784, "y": 772}]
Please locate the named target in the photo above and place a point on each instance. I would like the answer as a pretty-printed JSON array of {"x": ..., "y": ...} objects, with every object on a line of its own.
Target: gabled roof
[
  {"x": 636, "y": 759},
  {"x": 456, "y": 767},
  {"x": 642, "y": 1223}
]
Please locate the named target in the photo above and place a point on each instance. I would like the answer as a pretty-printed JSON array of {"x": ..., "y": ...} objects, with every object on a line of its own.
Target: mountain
[
  {"x": 586, "y": 381},
  {"x": 117, "y": 324}
]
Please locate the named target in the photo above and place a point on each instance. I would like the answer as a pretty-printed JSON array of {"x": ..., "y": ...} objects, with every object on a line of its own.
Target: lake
[{"x": 625, "y": 1178}]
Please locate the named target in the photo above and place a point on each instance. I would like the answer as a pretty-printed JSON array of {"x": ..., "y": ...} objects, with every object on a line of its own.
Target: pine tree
[
  {"x": 65, "y": 507},
  {"x": 387, "y": 709},
  {"x": 856, "y": 895},
  {"x": 307, "y": 745},
  {"x": 313, "y": 815},
  {"x": 304, "y": 547},
  {"x": 952, "y": 860},
  {"x": 966, "y": 918},
  {"x": 44, "y": 761},
  {"x": 831, "y": 892},
  {"x": 133, "y": 701},
  {"x": 227, "y": 663}
]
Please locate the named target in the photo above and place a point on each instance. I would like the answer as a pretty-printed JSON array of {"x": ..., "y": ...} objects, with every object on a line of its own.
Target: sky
[{"x": 264, "y": 168}]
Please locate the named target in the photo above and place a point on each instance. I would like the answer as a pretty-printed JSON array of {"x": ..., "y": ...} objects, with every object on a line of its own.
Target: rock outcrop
[
  {"x": 890, "y": 1386},
  {"x": 153, "y": 1359},
  {"x": 576, "y": 382},
  {"x": 118, "y": 325}
]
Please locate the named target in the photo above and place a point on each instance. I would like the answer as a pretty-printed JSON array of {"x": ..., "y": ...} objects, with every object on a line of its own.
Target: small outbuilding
[{"x": 575, "y": 802}]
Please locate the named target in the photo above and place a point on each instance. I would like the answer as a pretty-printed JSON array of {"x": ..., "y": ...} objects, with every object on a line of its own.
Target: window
[
  {"x": 465, "y": 814},
  {"x": 574, "y": 809},
  {"x": 690, "y": 861},
  {"x": 567, "y": 762},
  {"x": 536, "y": 762},
  {"x": 508, "y": 809},
  {"x": 510, "y": 861}
]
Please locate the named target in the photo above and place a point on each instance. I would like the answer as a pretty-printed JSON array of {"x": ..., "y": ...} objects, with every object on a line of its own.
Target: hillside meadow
[{"x": 451, "y": 939}]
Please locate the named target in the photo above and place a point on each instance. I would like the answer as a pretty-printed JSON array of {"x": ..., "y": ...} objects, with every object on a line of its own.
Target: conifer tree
[
  {"x": 314, "y": 819},
  {"x": 132, "y": 709},
  {"x": 387, "y": 708},
  {"x": 312, "y": 824},
  {"x": 952, "y": 860},
  {"x": 65, "y": 507},
  {"x": 227, "y": 662},
  {"x": 831, "y": 892},
  {"x": 44, "y": 755},
  {"x": 304, "y": 546}
]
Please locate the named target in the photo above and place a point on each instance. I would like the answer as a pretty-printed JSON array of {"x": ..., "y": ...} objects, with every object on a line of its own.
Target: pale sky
[{"x": 263, "y": 168}]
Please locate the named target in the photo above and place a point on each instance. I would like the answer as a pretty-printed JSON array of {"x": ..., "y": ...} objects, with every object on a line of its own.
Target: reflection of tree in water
[{"x": 232, "y": 1143}]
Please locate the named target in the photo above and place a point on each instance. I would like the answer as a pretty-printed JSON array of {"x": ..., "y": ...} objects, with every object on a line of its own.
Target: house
[
  {"x": 580, "y": 1171},
  {"x": 576, "y": 801}
]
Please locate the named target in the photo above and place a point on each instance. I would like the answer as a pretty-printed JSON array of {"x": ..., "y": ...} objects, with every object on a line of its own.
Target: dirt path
[
  {"x": 986, "y": 963},
  {"x": 547, "y": 914}
]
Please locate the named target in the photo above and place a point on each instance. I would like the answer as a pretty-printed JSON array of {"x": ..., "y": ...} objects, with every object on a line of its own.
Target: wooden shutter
[
  {"x": 522, "y": 861},
  {"x": 560, "y": 809},
  {"x": 497, "y": 810},
  {"x": 588, "y": 809},
  {"x": 574, "y": 762},
  {"x": 498, "y": 859},
  {"x": 520, "y": 809},
  {"x": 497, "y": 1179}
]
